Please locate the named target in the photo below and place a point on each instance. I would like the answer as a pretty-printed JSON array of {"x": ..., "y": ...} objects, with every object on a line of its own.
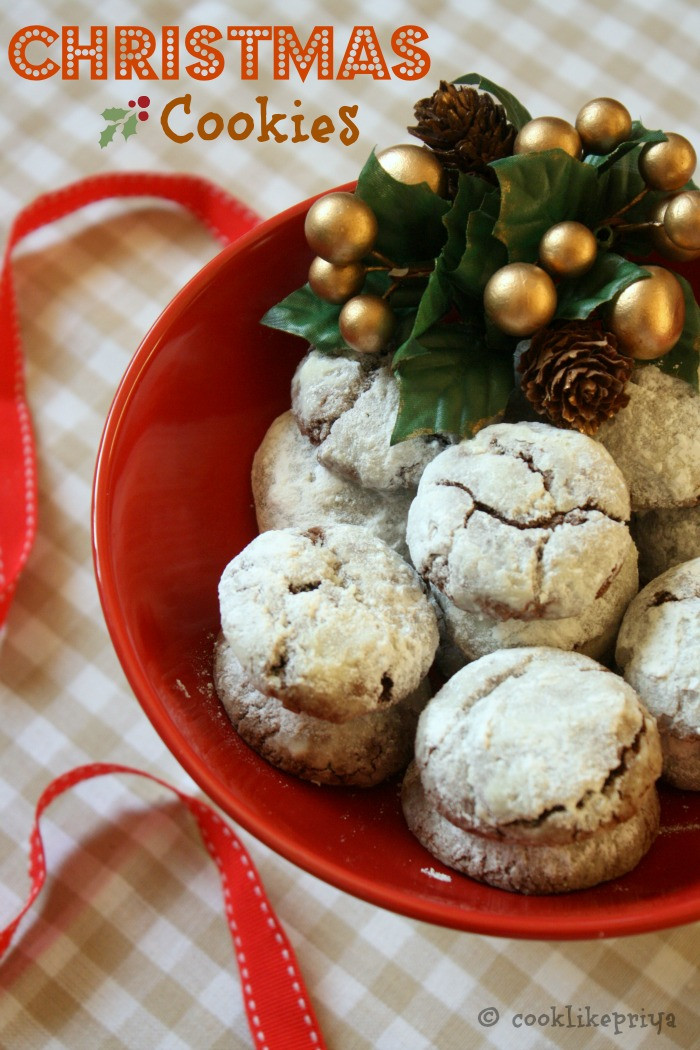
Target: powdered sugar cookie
[
  {"x": 359, "y": 753},
  {"x": 524, "y": 521},
  {"x": 655, "y": 440},
  {"x": 531, "y": 749},
  {"x": 348, "y": 407},
  {"x": 536, "y": 745},
  {"x": 467, "y": 636},
  {"x": 330, "y": 620},
  {"x": 665, "y": 537},
  {"x": 522, "y": 868},
  {"x": 291, "y": 487},
  {"x": 658, "y": 651}
]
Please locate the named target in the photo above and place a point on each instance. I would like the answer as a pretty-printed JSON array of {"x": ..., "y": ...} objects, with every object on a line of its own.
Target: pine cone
[
  {"x": 465, "y": 128},
  {"x": 574, "y": 374}
]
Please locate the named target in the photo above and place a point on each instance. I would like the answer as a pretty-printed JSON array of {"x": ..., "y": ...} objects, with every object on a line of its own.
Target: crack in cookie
[{"x": 493, "y": 522}]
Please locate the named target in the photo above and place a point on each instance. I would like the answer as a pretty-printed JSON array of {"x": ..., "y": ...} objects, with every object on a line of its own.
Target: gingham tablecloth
[{"x": 127, "y": 946}]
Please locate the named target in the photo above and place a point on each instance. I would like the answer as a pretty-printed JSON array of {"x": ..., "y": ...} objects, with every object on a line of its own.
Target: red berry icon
[
  {"x": 143, "y": 115},
  {"x": 132, "y": 103},
  {"x": 144, "y": 101}
]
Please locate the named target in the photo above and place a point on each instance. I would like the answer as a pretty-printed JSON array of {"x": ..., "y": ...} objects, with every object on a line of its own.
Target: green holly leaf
[
  {"x": 683, "y": 360},
  {"x": 537, "y": 191},
  {"x": 616, "y": 187},
  {"x": 114, "y": 114},
  {"x": 107, "y": 134},
  {"x": 409, "y": 217},
  {"x": 483, "y": 254},
  {"x": 515, "y": 111},
  {"x": 450, "y": 384},
  {"x": 610, "y": 273},
  {"x": 129, "y": 126},
  {"x": 302, "y": 313},
  {"x": 639, "y": 134}
]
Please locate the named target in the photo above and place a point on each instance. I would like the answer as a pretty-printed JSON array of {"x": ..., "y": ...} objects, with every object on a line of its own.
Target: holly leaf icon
[
  {"x": 107, "y": 134},
  {"x": 129, "y": 127},
  {"x": 114, "y": 113}
]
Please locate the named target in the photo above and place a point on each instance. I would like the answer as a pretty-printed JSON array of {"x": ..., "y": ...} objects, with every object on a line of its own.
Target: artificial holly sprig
[{"x": 453, "y": 351}]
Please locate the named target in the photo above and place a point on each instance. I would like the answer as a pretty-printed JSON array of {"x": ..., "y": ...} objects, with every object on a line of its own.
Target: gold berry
[
  {"x": 412, "y": 165},
  {"x": 603, "y": 123},
  {"x": 367, "y": 323},
  {"x": 543, "y": 133},
  {"x": 340, "y": 227},
  {"x": 568, "y": 249},
  {"x": 520, "y": 298},
  {"x": 682, "y": 220},
  {"x": 667, "y": 165},
  {"x": 661, "y": 240},
  {"x": 334, "y": 283},
  {"x": 648, "y": 315}
]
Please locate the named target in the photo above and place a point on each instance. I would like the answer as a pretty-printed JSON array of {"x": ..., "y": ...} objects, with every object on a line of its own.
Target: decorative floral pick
[{"x": 504, "y": 263}]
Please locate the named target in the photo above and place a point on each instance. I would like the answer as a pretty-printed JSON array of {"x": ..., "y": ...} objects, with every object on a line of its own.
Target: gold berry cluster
[
  {"x": 647, "y": 317},
  {"x": 342, "y": 229}
]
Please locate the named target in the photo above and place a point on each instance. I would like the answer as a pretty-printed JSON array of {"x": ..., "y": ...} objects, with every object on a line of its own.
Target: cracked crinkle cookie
[
  {"x": 524, "y": 520},
  {"x": 291, "y": 488},
  {"x": 467, "y": 636},
  {"x": 535, "y": 771},
  {"x": 658, "y": 651},
  {"x": 655, "y": 440},
  {"x": 359, "y": 753},
  {"x": 664, "y": 538},
  {"x": 347, "y": 406},
  {"x": 330, "y": 620}
]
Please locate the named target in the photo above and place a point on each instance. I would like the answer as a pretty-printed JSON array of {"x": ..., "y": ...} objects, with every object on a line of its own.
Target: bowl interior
[{"x": 172, "y": 505}]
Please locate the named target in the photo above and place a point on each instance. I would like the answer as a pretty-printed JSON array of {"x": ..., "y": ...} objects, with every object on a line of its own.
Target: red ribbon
[
  {"x": 276, "y": 1002},
  {"x": 227, "y": 219}
]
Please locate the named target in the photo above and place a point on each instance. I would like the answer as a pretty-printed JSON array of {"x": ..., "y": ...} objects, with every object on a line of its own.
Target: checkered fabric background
[{"x": 128, "y": 947}]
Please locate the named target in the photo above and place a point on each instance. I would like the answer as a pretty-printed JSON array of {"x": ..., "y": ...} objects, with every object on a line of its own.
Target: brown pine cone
[
  {"x": 465, "y": 128},
  {"x": 574, "y": 374}
]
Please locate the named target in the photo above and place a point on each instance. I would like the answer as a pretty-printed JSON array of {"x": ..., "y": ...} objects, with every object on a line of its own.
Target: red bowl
[{"x": 172, "y": 505}]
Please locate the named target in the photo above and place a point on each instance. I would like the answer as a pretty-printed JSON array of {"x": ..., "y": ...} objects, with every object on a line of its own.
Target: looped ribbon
[{"x": 277, "y": 1005}]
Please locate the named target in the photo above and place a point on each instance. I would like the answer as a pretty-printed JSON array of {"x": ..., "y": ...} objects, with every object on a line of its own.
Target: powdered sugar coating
[
  {"x": 362, "y": 752},
  {"x": 291, "y": 488},
  {"x": 532, "y": 868},
  {"x": 536, "y": 745},
  {"x": 665, "y": 537},
  {"x": 655, "y": 440},
  {"x": 658, "y": 651},
  {"x": 330, "y": 620},
  {"x": 524, "y": 520},
  {"x": 469, "y": 636},
  {"x": 349, "y": 407}
]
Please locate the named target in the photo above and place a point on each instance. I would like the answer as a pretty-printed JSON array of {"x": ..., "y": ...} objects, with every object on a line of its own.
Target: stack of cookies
[
  {"x": 507, "y": 562},
  {"x": 655, "y": 441}
]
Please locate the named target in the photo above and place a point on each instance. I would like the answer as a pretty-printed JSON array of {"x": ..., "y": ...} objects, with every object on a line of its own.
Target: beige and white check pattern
[{"x": 128, "y": 947}]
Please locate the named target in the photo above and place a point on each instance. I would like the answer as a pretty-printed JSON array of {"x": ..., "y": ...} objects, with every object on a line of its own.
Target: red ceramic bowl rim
[{"x": 646, "y": 916}]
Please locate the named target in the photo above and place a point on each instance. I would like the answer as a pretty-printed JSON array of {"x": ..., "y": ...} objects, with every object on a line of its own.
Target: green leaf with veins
[
  {"x": 638, "y": 134},
  {"x": 410, "y": 218},
  {"x": 515, "y": 111},
  {"x": 449, "y": 383},
  {"x": 537, "y": 191},
  {"x": 610, "y": 273},
  {"x": 302, "y": 313}
]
